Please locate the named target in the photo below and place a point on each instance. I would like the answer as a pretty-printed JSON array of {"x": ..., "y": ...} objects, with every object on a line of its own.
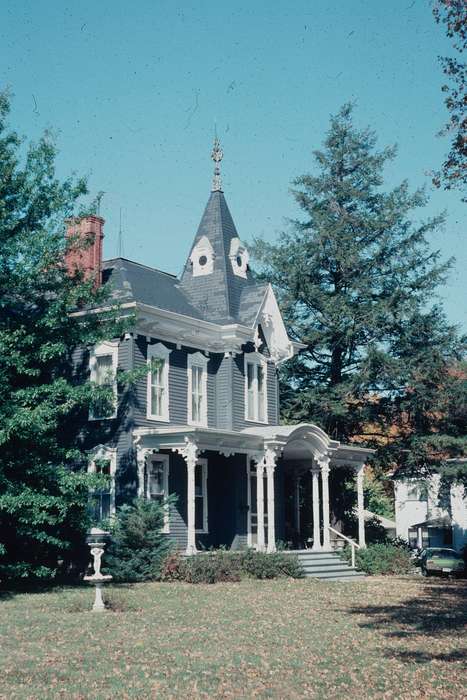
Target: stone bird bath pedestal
[{"x": 96, "y": 541}]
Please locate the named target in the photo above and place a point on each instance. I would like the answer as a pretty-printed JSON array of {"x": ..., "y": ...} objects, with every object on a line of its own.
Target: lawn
[{"x": 376, "y": 638}]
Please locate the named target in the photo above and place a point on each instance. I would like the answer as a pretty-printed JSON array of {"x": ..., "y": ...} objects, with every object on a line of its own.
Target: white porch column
[
  {"x": 360, "y": 507},
  {"x": 324, "y": 463},
  {"x": 189, "y": 453},
  {"x": 297, "y": 503},
  {"x": 316, "y": 509},
  {"x": 260, "y": 503},
  {"x": 141, "y": 463},
  {"x": 270, "y": 458}
]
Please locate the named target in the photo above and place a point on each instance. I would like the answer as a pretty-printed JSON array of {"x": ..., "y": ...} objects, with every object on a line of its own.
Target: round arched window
[
  {"x": 203, "y": 260},
  {"x": 239, "y": 260}
]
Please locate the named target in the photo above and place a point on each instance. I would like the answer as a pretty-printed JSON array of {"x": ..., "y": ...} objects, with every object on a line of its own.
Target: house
[
  {"x": 430, "y": 514},
  {"x": 203, "y": 424}
]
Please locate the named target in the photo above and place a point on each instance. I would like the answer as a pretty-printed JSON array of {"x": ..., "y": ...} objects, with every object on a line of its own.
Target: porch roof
[{"x": 297, "y": 442}]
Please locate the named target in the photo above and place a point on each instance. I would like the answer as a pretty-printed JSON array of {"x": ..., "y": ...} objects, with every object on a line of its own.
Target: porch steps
[{"x": 326, "y": 565}]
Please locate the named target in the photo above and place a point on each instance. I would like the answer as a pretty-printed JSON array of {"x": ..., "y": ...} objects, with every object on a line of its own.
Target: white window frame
[
  {"x": 109, "y": 453},
  {"x": 258, "y": 360},
  {"x": 197, "y": 359},
  {"x": 105, "y": 348},
  {"x": 165, "y": 459},
  {"x": 203, "y": 463},
  {"x": 202, "y": 249},
  {"x": 158, "y": 351}
]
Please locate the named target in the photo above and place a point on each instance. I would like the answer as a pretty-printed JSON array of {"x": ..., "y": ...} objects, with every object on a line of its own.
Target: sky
[{"x": 135, "y": 90}]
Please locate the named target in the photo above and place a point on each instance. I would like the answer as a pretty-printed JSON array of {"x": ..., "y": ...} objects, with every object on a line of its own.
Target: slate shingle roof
[{"x": 220, "y": 297}]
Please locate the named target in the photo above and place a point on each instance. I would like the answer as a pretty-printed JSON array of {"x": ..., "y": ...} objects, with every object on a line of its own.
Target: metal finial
[{"x": 217, "y": 155}]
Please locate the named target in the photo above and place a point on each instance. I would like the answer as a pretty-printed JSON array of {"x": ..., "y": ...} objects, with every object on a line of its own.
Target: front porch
[{"x": 234, "y": 488}]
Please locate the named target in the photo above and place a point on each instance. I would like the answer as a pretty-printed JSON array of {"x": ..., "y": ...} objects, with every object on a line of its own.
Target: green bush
[
  {"x": 221, "y": 565},
  {"x": 261, "y": 565},
  {"x": 138, "y": 547},
  {"x": 383, "y": 558}
]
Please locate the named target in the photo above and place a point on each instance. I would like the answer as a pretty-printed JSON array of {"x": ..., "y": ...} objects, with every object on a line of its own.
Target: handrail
[{"x": 352, "y": 543}]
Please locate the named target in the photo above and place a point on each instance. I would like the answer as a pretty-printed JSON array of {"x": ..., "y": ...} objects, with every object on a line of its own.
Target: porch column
[
  {"x": 296, "y": 492},
  {"x": 360, "y": 507},
  {"x": 141, "y": 463},
  {"x": 324, "y": 463},
  {"x": 189, "y": 453},
  {"x": 419, "y": 538},
  {"x": 270, "y": 458},
  {"x": 260, "y": 503},
  {"x": 316, "y": 533}
]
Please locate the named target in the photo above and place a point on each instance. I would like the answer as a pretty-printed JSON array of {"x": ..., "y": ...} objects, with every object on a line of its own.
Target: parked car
[{"x": 441, "y": 560}]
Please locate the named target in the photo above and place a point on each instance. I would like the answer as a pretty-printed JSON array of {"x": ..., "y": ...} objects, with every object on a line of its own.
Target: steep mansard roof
[{"x": 221, "y": 296}]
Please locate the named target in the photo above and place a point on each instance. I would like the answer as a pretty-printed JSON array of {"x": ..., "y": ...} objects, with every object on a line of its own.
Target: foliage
[
  {"x": 383, "y": 558},
  {"x": 138, "y": 546},
  {"x": 221, "y": 566},
  {"x": 356, "y": 280},
  {"x": 453, "y": 14},
  {"x": 376, "y": 497},
  {"x": 43, "y": 406}
]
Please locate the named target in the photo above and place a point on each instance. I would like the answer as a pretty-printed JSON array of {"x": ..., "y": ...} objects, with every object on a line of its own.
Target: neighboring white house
[{"x": 425, "y": 519}]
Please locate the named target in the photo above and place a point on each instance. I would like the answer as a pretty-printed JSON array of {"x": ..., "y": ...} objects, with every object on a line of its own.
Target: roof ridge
[{"x": 147, "y": 267}]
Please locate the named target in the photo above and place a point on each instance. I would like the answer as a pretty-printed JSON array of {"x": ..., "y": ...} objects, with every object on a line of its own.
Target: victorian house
[{"x": 203, "y": 423}]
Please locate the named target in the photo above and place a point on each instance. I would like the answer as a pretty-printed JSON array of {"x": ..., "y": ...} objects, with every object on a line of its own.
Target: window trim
[
  {"x": 255, "y": 358},
  {"x": 203, "y": 463},
  {"x": 165, "y": 459},
  {"x": 110, "y": 453},
  {"x": 108, "y": 347},
  {"x": 161, "y": 352},
  {"x": 197, "y": 359}
]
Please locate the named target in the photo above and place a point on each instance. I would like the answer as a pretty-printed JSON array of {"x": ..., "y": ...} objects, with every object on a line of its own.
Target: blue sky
[{"x": 134, "y": 90}]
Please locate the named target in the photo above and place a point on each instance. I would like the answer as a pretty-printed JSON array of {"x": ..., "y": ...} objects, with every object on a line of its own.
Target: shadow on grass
[{"x": 438, "y": 610}]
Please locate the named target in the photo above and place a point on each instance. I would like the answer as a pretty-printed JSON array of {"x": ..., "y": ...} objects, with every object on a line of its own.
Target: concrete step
[{"x": 326, "y": 565}]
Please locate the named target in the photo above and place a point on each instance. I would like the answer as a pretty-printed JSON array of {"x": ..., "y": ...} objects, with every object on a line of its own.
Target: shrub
[
  {"x": 383, "y": 559},
  {"x": 261, "y": 565},
  {"x": 221, "y": 565},
  {"x": 138, "y": 546}
]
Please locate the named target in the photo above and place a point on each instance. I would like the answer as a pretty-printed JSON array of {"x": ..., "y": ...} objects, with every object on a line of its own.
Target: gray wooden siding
[
  {"x": 224, "y": 385},
  {"x": 238, "y": 393}
]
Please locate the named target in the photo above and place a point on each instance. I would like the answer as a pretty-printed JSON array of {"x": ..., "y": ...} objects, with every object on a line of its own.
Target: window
[
  {"x": 197, "y": 389},
  {"x": 158, "y": 382},
  {"x": 156, "y": 486},
  {"x": 255, "y": 388},
  {"x": 239, "y": 258},
  {"x": 103, "y": 368},
  {"x": 102, "y": 501},
  {"x": 417, "y": 492},
  {"x": 201, "y": 496},
  {"x": 202, "y": 257}
]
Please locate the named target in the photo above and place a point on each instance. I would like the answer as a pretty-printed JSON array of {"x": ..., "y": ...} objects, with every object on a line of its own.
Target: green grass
[{"x": 376, "y": 638}]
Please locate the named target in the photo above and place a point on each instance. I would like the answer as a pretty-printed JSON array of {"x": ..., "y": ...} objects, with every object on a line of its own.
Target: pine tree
[
  {"x": 354, "y": 278},
  {"x": 453, "y": 14},
  {"x": 43, "y": 499}
]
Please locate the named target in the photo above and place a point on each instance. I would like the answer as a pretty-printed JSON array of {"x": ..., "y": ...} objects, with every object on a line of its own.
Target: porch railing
[{"x": 353, "y": 544}]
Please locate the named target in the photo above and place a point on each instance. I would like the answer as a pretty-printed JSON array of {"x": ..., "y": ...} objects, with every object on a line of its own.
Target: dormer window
[
  {"x": 239, "y": 257},
  {"x": 202, "y": 257}
]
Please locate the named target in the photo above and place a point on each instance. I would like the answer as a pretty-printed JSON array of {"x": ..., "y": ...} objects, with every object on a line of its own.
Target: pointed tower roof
[{"x": 216, "y": 275}]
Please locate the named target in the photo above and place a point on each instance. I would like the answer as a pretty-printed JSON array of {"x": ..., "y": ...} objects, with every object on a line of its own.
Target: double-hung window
[
  {"x": 158, "y": 382},
  {"x": 197, "y": 389},
  {"x": 255, "y": 388},
  {"x": 103, "y": 461},
  {"x": 103, "y": 369},
  {"x": 201, "y": 496},
  {"x": 156, "y": 485}
]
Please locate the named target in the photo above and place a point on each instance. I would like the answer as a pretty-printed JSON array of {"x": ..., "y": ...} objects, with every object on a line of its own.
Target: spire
[{"x": 217, "y": 155}]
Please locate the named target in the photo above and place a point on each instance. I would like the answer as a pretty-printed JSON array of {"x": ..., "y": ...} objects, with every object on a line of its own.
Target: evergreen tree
[
  {"x": 453, "y": 14},
  {"x": 354, "y": 279},
  {"x": 42, "y": 498}
]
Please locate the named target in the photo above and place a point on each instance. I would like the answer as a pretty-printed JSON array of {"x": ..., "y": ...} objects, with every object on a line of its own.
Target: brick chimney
[{"x": 84, "y": 239}]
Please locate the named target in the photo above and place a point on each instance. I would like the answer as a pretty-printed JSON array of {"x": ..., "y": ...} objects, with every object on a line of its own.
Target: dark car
[{"x": 442, "y": 561}]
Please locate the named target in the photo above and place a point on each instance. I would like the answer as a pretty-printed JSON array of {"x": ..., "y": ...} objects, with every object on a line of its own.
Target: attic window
[
  {"x": 238, "y": 257},
  {"x": 202, "y": 257}
]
